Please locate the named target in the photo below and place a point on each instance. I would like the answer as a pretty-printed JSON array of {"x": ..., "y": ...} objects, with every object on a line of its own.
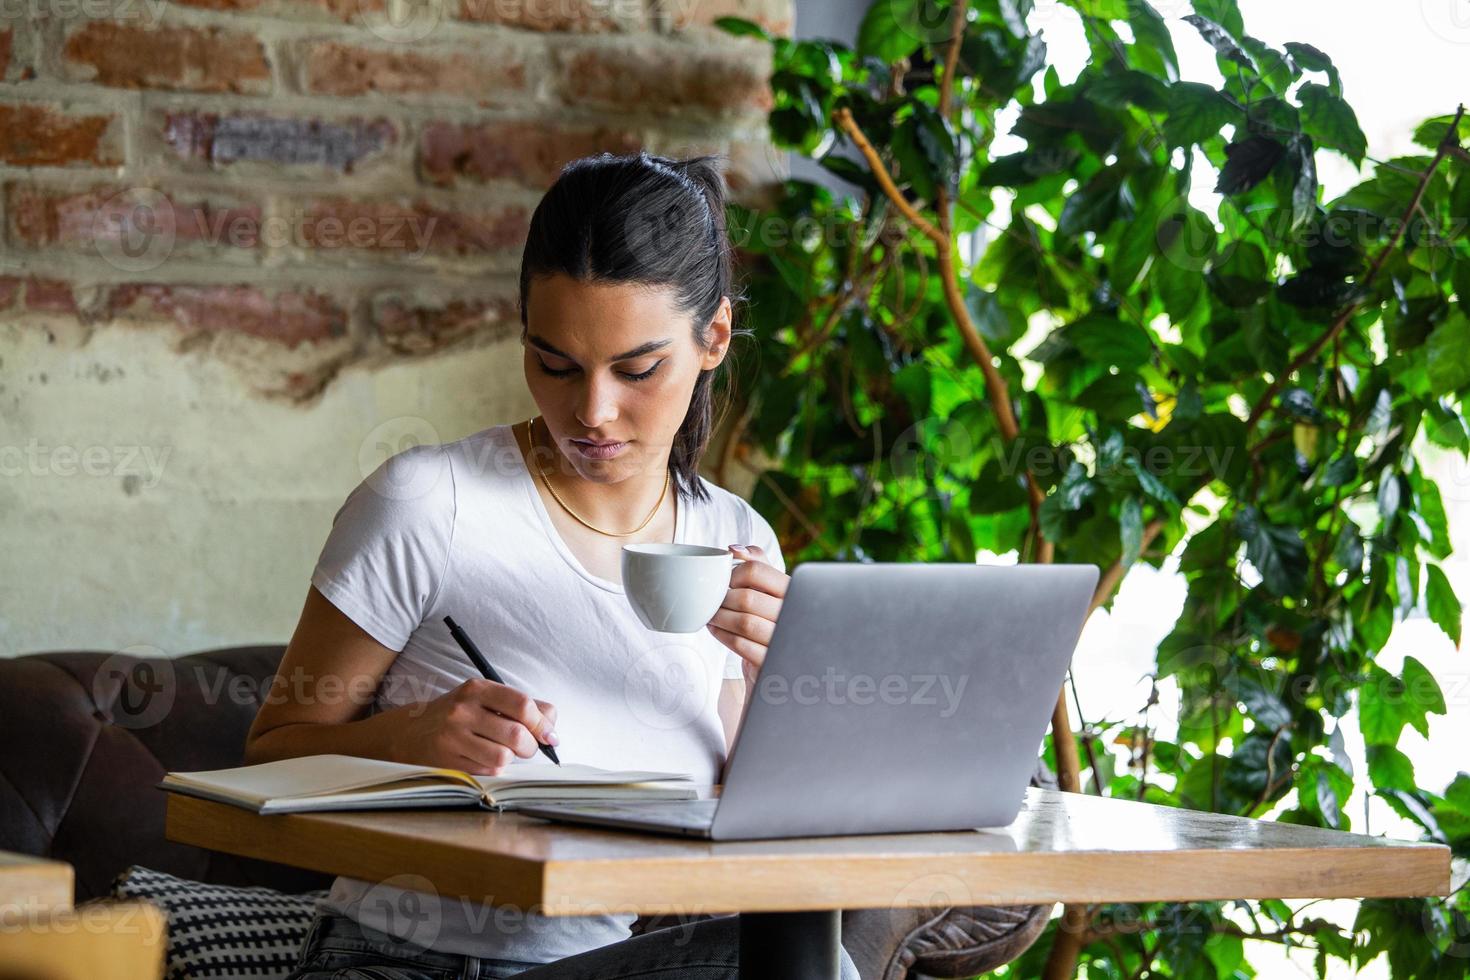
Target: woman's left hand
[{"x": 747, "y": 617}]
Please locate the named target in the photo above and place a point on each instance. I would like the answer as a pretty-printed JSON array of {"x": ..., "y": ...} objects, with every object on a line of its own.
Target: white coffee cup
[{"x": 676, "y": 588}]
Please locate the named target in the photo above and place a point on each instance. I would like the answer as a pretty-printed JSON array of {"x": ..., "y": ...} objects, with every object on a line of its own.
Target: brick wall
[{"x": 303, "y": 185}]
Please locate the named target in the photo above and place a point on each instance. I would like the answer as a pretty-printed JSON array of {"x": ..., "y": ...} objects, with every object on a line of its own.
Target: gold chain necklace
[{"x": 531, "y": 439}]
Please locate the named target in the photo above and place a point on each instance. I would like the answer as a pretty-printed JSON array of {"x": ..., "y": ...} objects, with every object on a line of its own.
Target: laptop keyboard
[{"x": 683, "y": 813}]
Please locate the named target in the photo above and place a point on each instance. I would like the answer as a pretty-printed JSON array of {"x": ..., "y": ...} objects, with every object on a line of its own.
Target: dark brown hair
[{"x": 652, "y": 221}]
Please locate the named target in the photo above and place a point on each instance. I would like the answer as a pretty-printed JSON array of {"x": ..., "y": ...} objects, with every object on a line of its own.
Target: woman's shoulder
[
  {"x": 426, "y": 470},
  {"x": 729, "y": 512}
]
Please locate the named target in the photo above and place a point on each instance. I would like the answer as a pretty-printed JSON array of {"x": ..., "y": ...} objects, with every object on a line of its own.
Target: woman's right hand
[{"x": 480, "y": 727}]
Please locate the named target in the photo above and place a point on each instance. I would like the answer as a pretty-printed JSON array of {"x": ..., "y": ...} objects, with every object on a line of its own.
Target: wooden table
[
  {"x": 31, "y": 883},
  {"x": 1062, "y": 848},
  {"x": 43, "y": 935}
]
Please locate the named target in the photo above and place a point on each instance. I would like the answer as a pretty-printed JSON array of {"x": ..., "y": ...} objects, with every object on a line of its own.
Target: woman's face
[{"x": 613, "y": 364}]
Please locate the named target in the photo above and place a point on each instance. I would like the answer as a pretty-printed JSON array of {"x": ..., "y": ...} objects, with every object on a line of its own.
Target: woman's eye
[
  {"x": 554, "y": 372},
  {"x": 644, "y": 376}
]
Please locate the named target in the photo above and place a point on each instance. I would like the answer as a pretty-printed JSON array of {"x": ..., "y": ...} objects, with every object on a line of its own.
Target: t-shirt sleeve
[
  {"x": 760, "y": 534},
  {"x": 388, "y": 548}
]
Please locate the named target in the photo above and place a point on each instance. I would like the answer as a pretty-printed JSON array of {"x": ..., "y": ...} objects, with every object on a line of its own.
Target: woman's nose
[{"x": 598, "y": 405}]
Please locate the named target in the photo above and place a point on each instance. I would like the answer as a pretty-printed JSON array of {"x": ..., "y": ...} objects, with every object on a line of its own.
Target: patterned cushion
[{"x": 220, "y": 930}]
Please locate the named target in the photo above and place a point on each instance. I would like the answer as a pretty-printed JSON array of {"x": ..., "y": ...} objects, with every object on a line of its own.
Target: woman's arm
[
  {"x": 745, "y": 622},
  {"x": 304, "y": 713},
  {"x": 321, "y": 698}
]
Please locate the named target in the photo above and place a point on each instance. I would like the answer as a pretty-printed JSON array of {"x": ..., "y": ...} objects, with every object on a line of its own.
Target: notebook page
[
  {"x": 305, "y": 776},
  {"x": 546, "y": 773}
]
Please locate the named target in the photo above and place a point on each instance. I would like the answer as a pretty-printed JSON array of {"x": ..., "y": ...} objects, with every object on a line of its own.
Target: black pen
[{"x": 478, "y": 659}]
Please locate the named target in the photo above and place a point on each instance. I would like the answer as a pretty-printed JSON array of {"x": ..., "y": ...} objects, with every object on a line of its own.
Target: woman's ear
[{"x": 719, "y": 336}]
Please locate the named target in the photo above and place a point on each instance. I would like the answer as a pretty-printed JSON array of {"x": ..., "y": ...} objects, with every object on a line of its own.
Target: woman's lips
[{"x": 594, "y": 451}]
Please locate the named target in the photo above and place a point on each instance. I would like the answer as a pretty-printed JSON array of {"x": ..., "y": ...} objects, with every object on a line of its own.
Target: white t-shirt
[{"x": 459, "y": 529}]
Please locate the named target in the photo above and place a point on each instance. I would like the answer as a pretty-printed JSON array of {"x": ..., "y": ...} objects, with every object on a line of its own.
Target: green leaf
[
  {"x": 1448, "y": 352},
  {"x": 742, "y": 28},
  {"x": 1248, "y": 163},
  {"x": 1197, "y": 113},
  {"x": 1001, "y": 326},
  {"x": 1131, "y": 530},
  {"x": 1221, "y": 40},
  {"x": 889, "y": 31},
  {"x": 1136, "y": 246},
  {"x": 1388, "y": 768},
  {"x": 1331, "y": 121},
  {"x": 1389, "y": 494},
  {"x": 1108, "y": 340},
  {"x": 1423, "y": 693},
  {"x": 1327, "y": 801},
  {"x": 1434, "y": 131},
  {"x": 1380, "y": 707},
  {"x": 1276, "y": 552},
  {"x": 1349, "y": 550},
  {"x": 1153, "y": 47},
  {"x": 1444, "y": 605},
  {"x": 1103, "y": 9},
  {"x": 1226, "y": 13},
  {"x": 1312, "y": 59}
]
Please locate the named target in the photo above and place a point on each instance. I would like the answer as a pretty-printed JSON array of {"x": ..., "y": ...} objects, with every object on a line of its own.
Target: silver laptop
[{"x": 894, "y": 698}]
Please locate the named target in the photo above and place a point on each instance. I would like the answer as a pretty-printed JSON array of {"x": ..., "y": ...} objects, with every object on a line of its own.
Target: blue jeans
[{"x": 337, "y": 948}]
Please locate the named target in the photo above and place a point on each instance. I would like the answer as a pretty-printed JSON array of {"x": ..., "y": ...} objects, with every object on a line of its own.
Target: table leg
[{"x": 790, "y": 945}]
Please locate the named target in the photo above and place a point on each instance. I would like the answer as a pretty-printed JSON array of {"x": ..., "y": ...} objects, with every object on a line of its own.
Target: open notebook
[{"x": 343, "y": 782}]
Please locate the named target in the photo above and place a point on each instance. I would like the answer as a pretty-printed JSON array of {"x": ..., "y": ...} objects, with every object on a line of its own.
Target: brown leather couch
[{"x": 88, "y": 735}]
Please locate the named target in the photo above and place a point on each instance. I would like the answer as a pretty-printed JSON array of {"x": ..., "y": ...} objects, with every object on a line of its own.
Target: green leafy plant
[{"x": 1061, "y": 352}]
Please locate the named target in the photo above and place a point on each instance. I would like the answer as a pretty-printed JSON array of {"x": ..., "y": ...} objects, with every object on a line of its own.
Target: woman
[{"x": 516, "y": 531}]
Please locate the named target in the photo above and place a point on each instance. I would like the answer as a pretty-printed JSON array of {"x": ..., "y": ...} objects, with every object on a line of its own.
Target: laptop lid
[{"x": 902, "y": 697}]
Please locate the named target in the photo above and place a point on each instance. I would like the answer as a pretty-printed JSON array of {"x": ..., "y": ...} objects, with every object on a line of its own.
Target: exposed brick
[
  {"x": 49, "y": 296},
  {"x": 286, "y": 317},
  {"x": 528, "y": 153},
  {"x": 557, "y": 15},
  {"x": 412, "y": 229},
  {"x": 196, "y": 59},
  {"x": 9, "y": 290},
  {"x": 641, "y": 77},
  {"x": 41, "y": 217},
  {"x": 43, "y": 135},
  {"x": 7, "y": 39},
  {"x": 333, "y": 68},
  {"x": 223, "y": 140},
  {"x": 411, "y": 326},
  {"x": 776, "y": 16},
  {"x": 343, "y": 10}
]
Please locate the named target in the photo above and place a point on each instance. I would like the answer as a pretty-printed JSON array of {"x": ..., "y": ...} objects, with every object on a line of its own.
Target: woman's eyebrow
[{"x": 642, "y": 349}]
